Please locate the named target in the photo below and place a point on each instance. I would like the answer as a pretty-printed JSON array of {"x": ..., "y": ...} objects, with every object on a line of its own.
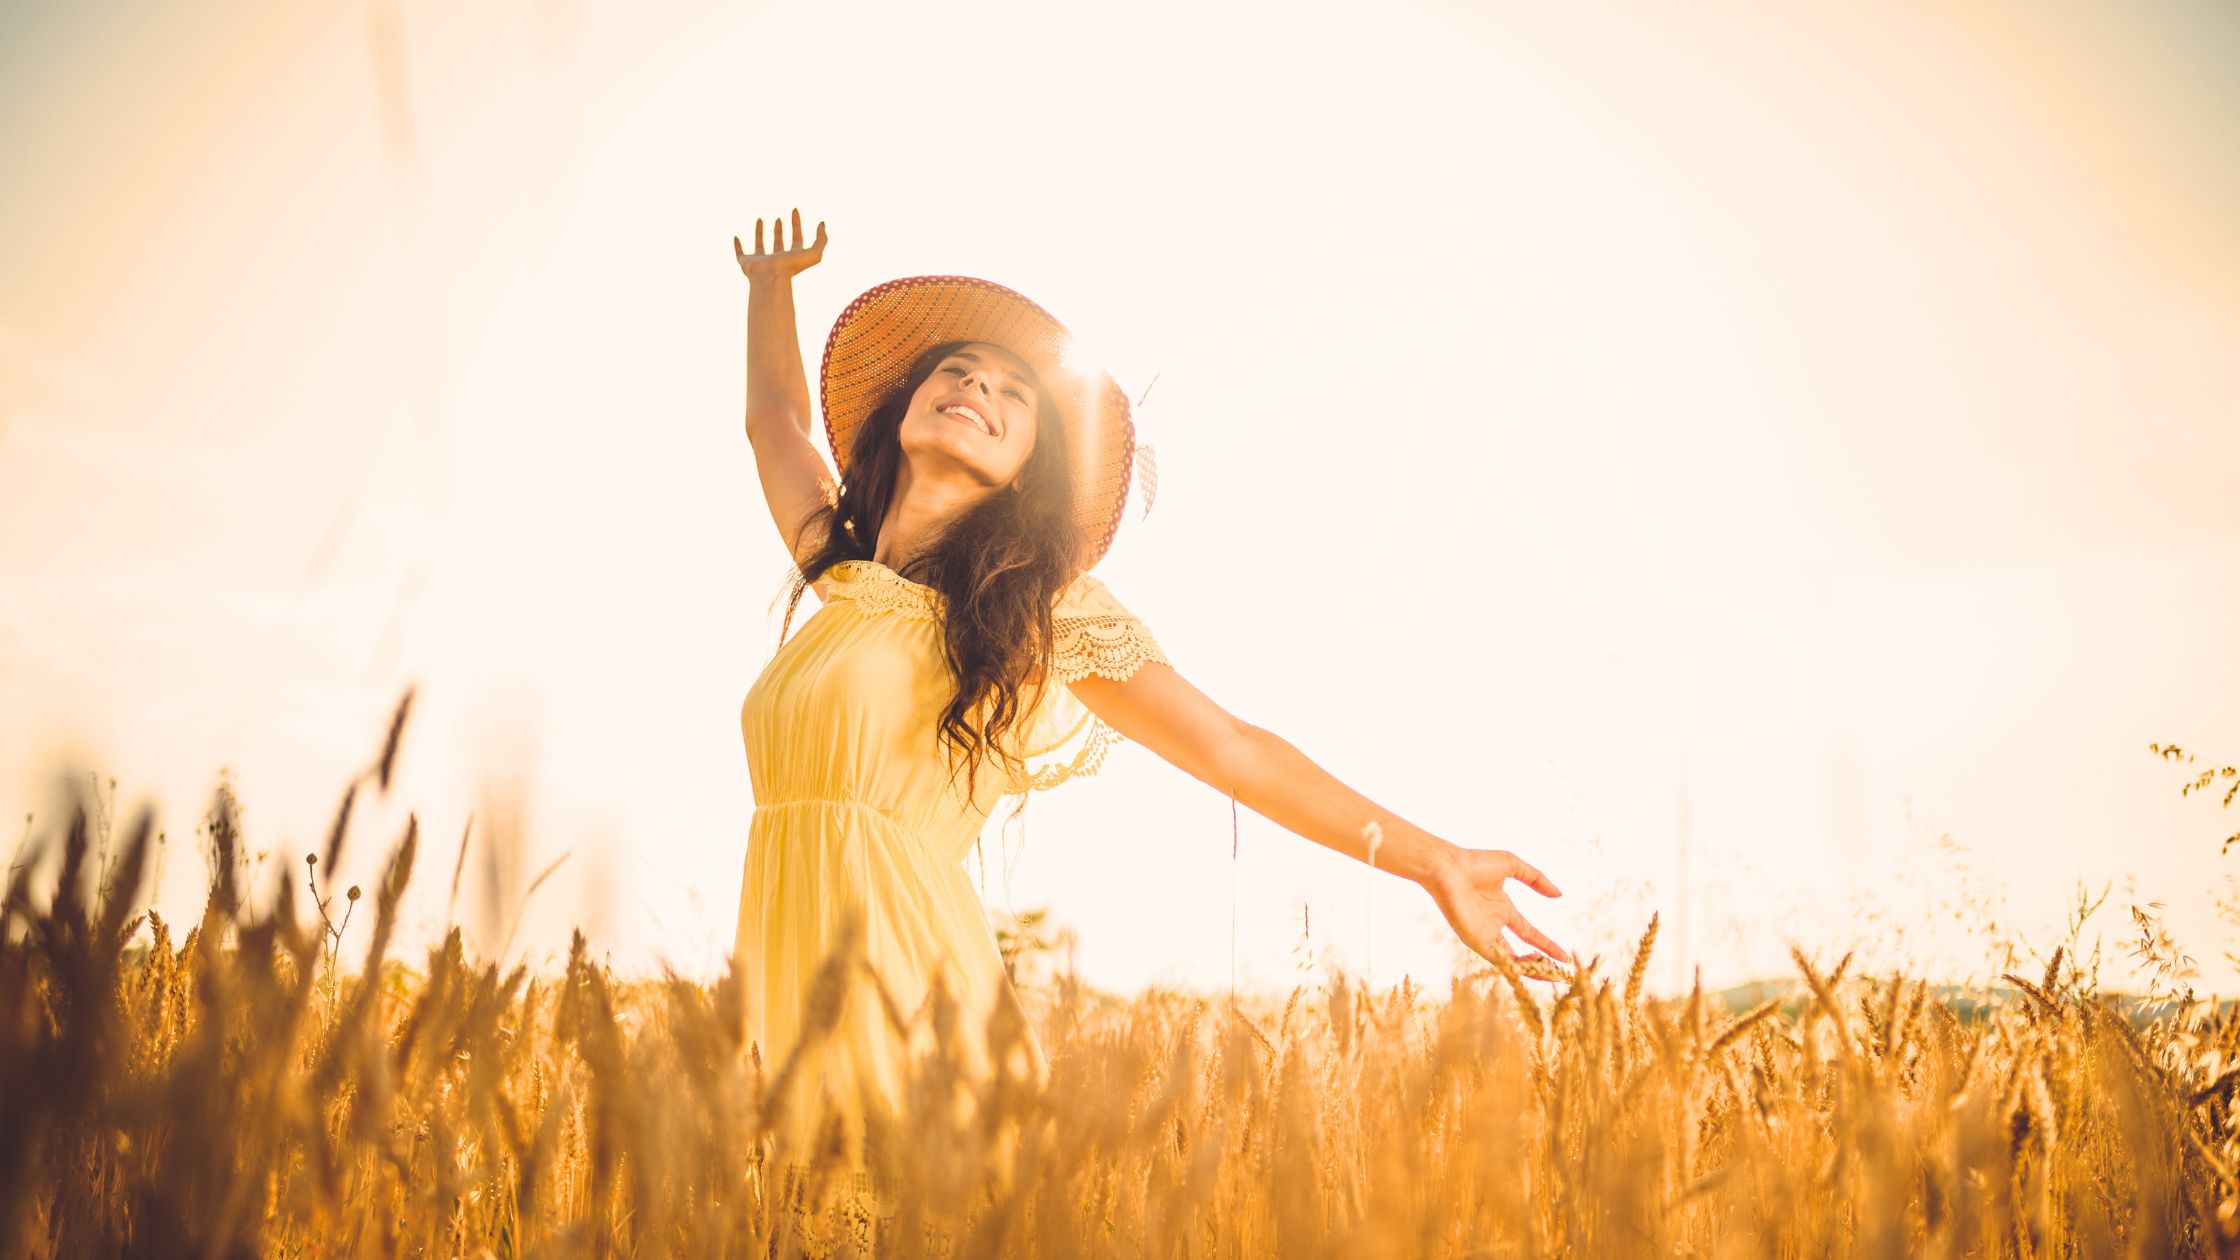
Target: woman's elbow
[{"x": 1235, "y": 758}]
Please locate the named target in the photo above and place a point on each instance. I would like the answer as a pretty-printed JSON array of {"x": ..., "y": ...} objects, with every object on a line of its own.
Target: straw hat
[{"x": 883, "y": 331}]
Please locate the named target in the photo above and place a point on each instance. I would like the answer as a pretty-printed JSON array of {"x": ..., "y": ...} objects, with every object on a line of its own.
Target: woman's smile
[{"x": 966, "y": 413}]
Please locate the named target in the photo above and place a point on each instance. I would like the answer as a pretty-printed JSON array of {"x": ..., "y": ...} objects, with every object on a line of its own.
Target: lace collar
[{"x": 877, "y": 588}]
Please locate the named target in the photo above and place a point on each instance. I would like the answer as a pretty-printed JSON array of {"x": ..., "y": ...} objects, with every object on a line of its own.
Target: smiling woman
[
  {"x": 983, "y": 389},
  {"x": 982, "y": 473}
]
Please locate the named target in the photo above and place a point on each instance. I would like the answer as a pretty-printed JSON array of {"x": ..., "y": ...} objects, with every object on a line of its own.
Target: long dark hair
[{"x": 999, "y": 567}]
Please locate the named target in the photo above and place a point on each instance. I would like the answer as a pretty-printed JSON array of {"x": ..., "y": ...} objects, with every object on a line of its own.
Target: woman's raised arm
[
  {"x": 780, "y": 418},
  {"x": 1159, "y": 708}
]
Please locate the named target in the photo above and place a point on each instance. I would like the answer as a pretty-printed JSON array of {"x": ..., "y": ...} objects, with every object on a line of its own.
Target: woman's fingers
[
  {"x": 777, "y": 257},
  {"x": 1510, "y": 866},
  {"x": 1532, "y": 878},
  {"x": 1534, "y": 936},
  {"x": 777, "y": 244}
]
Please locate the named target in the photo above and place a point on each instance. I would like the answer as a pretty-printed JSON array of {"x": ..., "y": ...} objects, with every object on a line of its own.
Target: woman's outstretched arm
[
  {"x": 780, "y": 420},
  {"x": 1159, "y": 708}
]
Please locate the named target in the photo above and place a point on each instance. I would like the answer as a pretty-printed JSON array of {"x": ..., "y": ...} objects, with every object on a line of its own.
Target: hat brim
[{"x": 880, "y": 334}]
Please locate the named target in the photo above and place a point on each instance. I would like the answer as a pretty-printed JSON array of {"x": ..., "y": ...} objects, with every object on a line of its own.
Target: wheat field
[{"x": 249, "y": 1091}]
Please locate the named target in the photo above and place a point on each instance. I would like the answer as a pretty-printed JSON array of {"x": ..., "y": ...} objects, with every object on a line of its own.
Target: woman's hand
[
  {"x": 780, "y": 262},
  {"x": 1470, "y": 893}
]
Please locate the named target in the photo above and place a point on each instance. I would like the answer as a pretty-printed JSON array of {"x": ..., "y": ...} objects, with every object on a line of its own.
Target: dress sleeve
[{"x": 1094, "y": 634}]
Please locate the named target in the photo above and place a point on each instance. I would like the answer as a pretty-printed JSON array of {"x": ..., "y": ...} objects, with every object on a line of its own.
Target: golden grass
[{"x": 230, "y": 1094}]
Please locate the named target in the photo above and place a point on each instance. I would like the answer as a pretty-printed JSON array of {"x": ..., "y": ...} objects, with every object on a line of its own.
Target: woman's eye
[{"x": 1016, "y": 394}]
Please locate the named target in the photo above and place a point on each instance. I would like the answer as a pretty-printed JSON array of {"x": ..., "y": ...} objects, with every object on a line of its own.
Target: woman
[{"x": 963, "y": 652}]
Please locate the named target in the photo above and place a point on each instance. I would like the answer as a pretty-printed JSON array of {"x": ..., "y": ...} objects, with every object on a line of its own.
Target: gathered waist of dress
[
  {"x": 775, "y": 819},
  {"x": 799, "y": 802}
]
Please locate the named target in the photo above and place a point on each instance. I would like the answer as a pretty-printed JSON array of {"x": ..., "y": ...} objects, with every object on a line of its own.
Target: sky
[{"x": 1771, "y": 468}]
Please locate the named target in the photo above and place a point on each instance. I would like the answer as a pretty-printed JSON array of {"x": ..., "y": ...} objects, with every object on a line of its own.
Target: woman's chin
[{"x": 939, "y": 461}]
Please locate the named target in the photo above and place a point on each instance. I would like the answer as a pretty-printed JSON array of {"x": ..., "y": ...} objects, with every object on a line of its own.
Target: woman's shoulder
[
  {"x": 1097, "y": 634},
  {"x": 1086, "y": 595}
]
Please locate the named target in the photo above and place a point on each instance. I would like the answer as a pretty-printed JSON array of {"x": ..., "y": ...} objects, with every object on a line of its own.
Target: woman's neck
[{"x": 922, "y": 508}]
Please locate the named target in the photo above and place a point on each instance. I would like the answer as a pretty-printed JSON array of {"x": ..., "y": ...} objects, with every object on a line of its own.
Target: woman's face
[{"x": 975, "y": 413}]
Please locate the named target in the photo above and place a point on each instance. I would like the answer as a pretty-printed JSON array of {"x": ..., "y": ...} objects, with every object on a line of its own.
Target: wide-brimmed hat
[{"x": 880, "y": 334}]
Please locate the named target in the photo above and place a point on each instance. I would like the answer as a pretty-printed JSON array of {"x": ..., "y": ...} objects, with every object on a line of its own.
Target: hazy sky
[{"x": 1810, "y": 433}]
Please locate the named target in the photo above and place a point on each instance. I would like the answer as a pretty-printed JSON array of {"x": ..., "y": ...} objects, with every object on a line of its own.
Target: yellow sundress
[{"x": 854, "y": 808}]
